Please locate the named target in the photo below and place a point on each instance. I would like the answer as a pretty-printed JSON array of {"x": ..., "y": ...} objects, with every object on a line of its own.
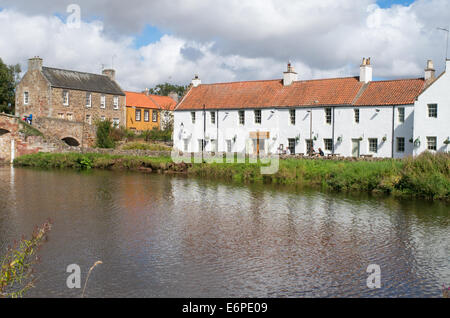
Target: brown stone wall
[
  {"x": 77, "y": 106},
  {"x": 59, "y": 128},
  {"x": 38, "y": 89},
  {"x": 11, "y": 131}
]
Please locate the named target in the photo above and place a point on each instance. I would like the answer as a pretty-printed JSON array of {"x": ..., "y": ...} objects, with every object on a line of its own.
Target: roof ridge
[
  {"x": 399, "y": 79},
  {"x": 62, "y": 69},
  {"x": 280, "y": 80}
]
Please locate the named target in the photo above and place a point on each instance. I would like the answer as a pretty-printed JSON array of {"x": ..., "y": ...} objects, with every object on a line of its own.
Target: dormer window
[{"x": 26, "y": 98}]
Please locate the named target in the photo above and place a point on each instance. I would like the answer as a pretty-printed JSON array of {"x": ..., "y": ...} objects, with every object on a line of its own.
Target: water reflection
[{"x": 162, "y": 236}]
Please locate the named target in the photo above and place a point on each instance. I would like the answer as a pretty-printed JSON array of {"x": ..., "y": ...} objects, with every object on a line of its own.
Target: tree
[
  {"x": 9, "y": 77},
  {"x": 166, "y": 88}
]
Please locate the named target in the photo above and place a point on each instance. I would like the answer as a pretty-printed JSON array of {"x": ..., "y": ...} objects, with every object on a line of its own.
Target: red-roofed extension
[
  {"x": 164, "y": 102},
  {"x": 140, "y": 100}
]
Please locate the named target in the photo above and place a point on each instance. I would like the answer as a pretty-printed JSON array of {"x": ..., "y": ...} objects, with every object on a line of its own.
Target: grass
[
  {"x": 146, "y": 146},
  {"x": 29, "y": 130},
  {"x": 426, "y": 176}
]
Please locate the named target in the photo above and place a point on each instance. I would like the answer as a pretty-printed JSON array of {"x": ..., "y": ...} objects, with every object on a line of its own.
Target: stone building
[
  {"x": 69, "y": 96},
  {"x": 353, "y": 116}
]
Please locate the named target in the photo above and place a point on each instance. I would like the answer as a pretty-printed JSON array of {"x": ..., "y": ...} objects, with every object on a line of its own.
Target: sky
[{"x": 150, "y": 42}]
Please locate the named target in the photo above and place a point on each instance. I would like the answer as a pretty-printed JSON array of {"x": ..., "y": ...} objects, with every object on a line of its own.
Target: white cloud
[{"x": 228, "y": 40}]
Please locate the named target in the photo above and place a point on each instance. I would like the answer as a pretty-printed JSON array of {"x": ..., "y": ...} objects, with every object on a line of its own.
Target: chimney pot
[
  {"x": 430, "y": 72},
  {"x": 290, "y": 76},
  {"x": 365, "y": 74},
  {"x": 196, "y": 81}
]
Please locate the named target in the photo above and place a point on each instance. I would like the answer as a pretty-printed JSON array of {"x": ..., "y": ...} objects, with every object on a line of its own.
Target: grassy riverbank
[{"x": 427, "y": 176}]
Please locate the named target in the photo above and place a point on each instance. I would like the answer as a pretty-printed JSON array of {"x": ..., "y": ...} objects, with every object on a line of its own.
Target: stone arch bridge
[{"x": 52, "y": 135}]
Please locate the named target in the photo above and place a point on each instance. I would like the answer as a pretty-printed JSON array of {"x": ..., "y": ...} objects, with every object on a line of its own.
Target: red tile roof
[
  {"x": 324, "y": 92},
  {"x": 398, "y": 92},
  {"x": 164, "y": 102},
  {"x": 140, "y": 100}
]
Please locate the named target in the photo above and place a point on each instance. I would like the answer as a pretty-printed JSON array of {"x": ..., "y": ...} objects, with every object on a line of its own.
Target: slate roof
[
  {"x": 323, "y": 92},
  {"x": 81, "y": 81}
]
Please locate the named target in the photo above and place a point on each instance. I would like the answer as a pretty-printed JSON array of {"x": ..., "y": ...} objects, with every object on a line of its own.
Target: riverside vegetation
[{"x": 426, "y": 176}]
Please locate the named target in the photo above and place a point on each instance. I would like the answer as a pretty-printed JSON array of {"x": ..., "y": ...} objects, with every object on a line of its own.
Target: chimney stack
[
  {"x": 35, "y": 64},
  {"x": 430, "y": 72},
  {"x": 365, "y": 74},
  {"x": 196, "y": 81},
  {"x": 110, "y": 73},
  {"x": 290, "y": 76},
  {"x": 146, "y": 92}
]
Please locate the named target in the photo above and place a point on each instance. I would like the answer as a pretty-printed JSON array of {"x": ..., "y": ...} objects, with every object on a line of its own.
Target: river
[{"x": 168, "y": 236}]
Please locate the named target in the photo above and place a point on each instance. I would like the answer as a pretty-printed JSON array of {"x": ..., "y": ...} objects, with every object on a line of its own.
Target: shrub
[
  {"x": 17, "y": 265},
  {"x": 105, "y": 134}
]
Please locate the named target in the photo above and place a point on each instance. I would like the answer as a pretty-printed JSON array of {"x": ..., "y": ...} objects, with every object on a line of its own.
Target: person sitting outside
[
  {"x": 288, "y": 152},
  {"x": 311, "y": 152},
  {"x": 321, "y": 153}
]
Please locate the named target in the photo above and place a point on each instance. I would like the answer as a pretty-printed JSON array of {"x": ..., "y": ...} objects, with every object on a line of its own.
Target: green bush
[{"x": 105, "y": 132}]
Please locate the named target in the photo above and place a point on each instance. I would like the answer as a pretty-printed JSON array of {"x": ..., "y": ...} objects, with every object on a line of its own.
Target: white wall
[
  {"x": 438, "y": 93},
  {"x": 372, "y": 124}
]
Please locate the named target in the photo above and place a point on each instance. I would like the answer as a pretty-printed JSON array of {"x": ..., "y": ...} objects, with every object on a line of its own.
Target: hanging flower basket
[
  {"x": 384, "y": 139},
  {"x": 417, "y": 143},
  {"x": 339, "y": 139},
  {"x": 447, "y": 141}
]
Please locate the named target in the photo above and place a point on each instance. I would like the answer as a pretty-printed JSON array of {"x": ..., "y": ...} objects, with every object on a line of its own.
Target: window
[
  {"x": 292, "y": 146},
  {"x": 116, "y": 122},
  {"x": 401, "y": 115},
  {"x": 400, "y": 144},
  {"x": 61, "y": 115},
  {"x": 328, "y": 115},
  {"x": 292, "y": 116},
  {"x": 213, "y": 118},
  {"x": 328, "y": 144},
  {"x": 26, "y": 98},
  {"x": 146, "y": 115},
  {"x": 193, "y": 117},
  {"x": 432, "y": 143},
  {"x": 70, "y": 116},
  {"x": 103, "y": 101},
  {"x": 241, "y": 117},
  {"x": 155, "y": 116},
  {"x": 103, "y": 118},
  {"x": 357, "y": 116},
  {"x": 138, "y": 115},
  {"x": 116, "y": 102},
  {"x": 258, "y": 116},
  {"x": 89, "y": 119},
  {"x": 309, "y": 145},
  {"x": 373, "y": 145},
  {"x": 186, "y": 145},
  {"x": 432, "y": 110},
  {"x": 66, "y": 98},
  {"x": 88, "y": 99},
  {"x": 229, "y": 146}
]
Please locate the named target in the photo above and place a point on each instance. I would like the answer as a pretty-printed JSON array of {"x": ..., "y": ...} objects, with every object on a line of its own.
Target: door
[{"x": 355, "y": 148}]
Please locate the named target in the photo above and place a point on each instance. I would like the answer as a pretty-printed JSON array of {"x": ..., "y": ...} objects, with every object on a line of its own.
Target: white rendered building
[{"x": 351, "y": 116}]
